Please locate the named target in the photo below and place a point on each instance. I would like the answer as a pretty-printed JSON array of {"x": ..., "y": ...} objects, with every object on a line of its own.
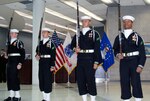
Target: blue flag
[{"x": 107, "y": 52}]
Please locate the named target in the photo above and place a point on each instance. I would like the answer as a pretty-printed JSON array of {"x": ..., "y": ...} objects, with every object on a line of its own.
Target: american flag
[{"x": 60, "y": 55}]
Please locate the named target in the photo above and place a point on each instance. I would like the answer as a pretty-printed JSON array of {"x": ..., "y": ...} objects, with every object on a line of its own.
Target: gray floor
[{"x": 62, "y": 93}]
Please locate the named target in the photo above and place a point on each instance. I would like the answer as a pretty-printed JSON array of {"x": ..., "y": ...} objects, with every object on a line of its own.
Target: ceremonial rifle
[
  {"x": 78, "y": 26},
  {"x": 119, "y": 26}
]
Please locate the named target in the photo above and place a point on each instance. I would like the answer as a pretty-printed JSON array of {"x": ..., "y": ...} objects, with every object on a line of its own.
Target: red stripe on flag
[
  {"x": 61, "y": 52},
  {"x": 58, "y": 65},
  {"x": 60, "y": 57}
]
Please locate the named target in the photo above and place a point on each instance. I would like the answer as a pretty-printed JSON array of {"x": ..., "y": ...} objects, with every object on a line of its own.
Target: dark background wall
[
  {"x": 100, "y": 30},
  {"x": 3, "y": 38}
]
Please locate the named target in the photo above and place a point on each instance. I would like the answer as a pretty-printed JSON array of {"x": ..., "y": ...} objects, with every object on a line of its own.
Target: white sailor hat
[
  {"x": 85, "y": 18},
  {"x": 128, "y": 17},
  {"x": 46, "y": 29},
  {"x": 14, "y": 31}
]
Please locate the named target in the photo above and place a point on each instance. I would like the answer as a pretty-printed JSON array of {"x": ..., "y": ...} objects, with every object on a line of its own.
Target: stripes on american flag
[{"x": 60, "y": 54}]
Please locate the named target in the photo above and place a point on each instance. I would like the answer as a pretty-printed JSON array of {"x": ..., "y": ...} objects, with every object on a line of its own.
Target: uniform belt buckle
[
  {"x": 127, "y": 54},
  {"x": 84, "y": 51},
  {"x": 45, "y": 56},
  {"x": 130, "y": 54}
]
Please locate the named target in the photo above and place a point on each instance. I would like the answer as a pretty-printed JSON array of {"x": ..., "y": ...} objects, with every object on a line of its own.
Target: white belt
[
  {"x": 136, "y": 53},
  {"x": 45, "y": 56},
  {"x": 14, "y": 54},
  {"x": 87, "y": 51}
]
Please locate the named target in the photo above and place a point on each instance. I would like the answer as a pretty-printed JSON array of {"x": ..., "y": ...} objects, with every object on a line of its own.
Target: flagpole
[
  {"x": 106, "y": 78},
  {"x": 54, "y": 79},
  {"x": 106, "y": 81},
  {"x": 55, "y": 72},
  {"x": 68, "y": 83}
]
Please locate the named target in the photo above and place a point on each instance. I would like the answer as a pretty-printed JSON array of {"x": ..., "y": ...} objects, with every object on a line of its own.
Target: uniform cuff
[
  {"x": 117, "y": 54},
  {"x": 141, "y": 66},
  {"x": 36, "y": 54},
  {"x": 74, "y": 49}
]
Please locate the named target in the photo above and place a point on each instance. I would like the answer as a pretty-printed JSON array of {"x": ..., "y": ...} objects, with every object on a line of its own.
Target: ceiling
[{"x": 95, "y": 6}]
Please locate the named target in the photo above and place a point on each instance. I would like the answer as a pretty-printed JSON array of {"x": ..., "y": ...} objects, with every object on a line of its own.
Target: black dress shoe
[
  {"x": 9, "y": 99},
  {"x": 17, "y": 99}
]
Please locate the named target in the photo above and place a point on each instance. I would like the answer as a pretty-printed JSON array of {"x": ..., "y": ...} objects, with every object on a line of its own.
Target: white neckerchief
[
  {"x": 84, "y": 30},
  {"x": 45, "y": 40},
  {"x": 12, "y": 40},
  {"x": 127, "y": 32}
]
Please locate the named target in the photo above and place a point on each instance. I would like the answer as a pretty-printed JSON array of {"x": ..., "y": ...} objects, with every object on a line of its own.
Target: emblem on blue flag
[
  {"x": 107, "y": 52},
  {"x": 68, "y": 51}
]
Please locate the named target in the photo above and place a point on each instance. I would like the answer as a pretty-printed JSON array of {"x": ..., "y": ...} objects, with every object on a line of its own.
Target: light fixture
[
  {"x": 24, "y": 14},
  {"x": 107, "y": 1},
  {"x": 57, "y": 32},
  {"x": 26, "y": 30},
  {"x": 82, "y": 9},
  {"x": 27, "y": 24},
  {"x": 2, "y": 18},
  {"x": 61, "y": 33},
  {"x": 60, "y": 26},
  {"x": 52, "y": 12},
  {"x": 3, "y": 25},
  {"x": 49, "y": 11},
  {"x": 147, "y": 1},
  {"x": 47, "y": 22}
]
